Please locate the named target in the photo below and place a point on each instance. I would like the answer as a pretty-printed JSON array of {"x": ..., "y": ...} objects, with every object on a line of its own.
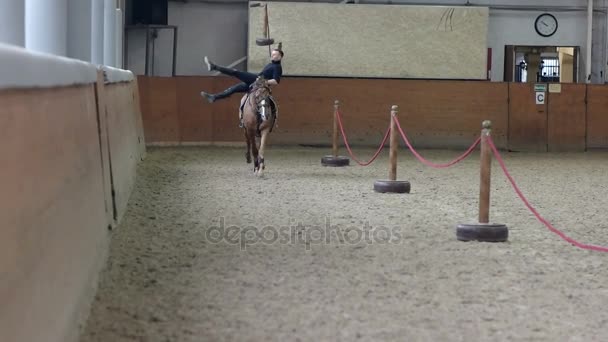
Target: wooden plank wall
[
  {"x": 527, "y": 120},
  {"x": 566, "y": 125},
  {"x": 434, "y": 114},
  {"x": 57, "y": 199},
  {"x": 597, "y": 116}
]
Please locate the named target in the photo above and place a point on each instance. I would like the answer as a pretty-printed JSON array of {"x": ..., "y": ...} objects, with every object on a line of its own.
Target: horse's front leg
[
  {"x": 264, "y": 135},
  {"x": 254, "y": 150},
  {"x": 248, "y": 152}
]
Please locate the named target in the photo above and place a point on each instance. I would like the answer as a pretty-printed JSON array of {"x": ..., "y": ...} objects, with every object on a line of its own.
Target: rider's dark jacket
[{"x": 272, "y": 71}]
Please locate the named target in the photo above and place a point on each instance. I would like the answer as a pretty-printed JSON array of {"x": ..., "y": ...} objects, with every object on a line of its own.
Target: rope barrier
[
  {"x": 429, "y": 163},
  {"x": 538, "y": 216},
  {"x": 348, "y": 146}
]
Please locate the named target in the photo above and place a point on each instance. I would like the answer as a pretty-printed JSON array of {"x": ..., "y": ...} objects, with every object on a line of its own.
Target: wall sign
[{"x": 540, "y": 97}]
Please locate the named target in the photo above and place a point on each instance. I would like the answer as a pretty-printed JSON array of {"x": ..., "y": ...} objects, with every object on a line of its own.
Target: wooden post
[
  {"x": 392, "y": 185},
  {"x": 392, "y": 173},
  {"x": 334, "y": 159},
  {"x": 485, "y": 171},
  {"x": 335, "y": 136},
  {"x": 483, "y": 230}
]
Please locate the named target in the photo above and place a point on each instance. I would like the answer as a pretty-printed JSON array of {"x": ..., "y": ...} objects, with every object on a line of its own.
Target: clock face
[{"x": 546, "y": 25}]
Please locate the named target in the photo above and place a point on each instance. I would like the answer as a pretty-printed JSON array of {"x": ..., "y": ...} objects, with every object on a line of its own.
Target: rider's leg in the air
[{"x": 247, "y": 79}]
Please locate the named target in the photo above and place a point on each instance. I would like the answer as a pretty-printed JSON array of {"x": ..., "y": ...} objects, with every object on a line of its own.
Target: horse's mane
[{"x": 260, "y": 82}]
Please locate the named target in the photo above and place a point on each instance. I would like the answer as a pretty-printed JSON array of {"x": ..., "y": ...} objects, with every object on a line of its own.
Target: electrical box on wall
[{"x": 147, "y": 12}]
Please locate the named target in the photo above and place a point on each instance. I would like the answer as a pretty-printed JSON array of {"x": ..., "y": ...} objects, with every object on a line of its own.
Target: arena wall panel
[
  {"x": 597, "y": 116},
  {"x": 54, "y": 235},
  {"x": 125, "y": 140},
  {"x": 56, "y": 201},
  {"x": 434, "y": 113},
  {"x": 566, "y": 119},
  {"x": 445, "y": 114}
]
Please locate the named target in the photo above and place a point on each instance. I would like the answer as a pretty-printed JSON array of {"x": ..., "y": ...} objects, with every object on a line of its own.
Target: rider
[{"x": 272, "y": 72}]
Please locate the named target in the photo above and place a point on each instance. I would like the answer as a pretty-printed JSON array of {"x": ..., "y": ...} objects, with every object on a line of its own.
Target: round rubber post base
[
  {"x": 335, "y": 161},
  {"x": 398, "y": 187},
  {"x": 486, "y": 232}
]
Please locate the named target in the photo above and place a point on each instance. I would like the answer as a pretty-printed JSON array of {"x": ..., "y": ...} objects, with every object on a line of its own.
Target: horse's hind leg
[{"x": 248, "y": 152}]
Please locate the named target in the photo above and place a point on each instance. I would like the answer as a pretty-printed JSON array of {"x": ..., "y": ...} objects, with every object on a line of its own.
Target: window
[{"x": 549, "y": 70}]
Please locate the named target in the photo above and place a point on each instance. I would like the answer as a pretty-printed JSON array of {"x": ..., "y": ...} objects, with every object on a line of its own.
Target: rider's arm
[{"x": 276, "y": 76}]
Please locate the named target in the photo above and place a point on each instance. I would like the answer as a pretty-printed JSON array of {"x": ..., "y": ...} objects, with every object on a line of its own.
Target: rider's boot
[
  {"x": 214, "y": 97},
  {"x": 210, "y": 65},
  {"x": 209, "y": 97}
]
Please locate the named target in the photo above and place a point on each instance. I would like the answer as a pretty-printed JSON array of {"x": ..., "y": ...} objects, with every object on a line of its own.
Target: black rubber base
[
  {"x": 334, "y": 161},
  {"x": 264, "y": 41},
  {"x": 482, "y": 232},
  {"x": 396, "y": 186}
]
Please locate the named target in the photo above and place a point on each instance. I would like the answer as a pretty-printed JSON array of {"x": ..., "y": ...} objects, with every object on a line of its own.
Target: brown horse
[{"x": 258, "y": 119}]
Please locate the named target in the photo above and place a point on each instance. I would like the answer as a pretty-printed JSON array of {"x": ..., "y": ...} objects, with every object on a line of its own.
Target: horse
[{"x": 259, "y": 114}]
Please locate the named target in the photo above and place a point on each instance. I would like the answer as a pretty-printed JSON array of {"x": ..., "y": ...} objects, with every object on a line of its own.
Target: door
[
  {"x": 566, "y": 119},
  {"x": 527, "y": 120}
]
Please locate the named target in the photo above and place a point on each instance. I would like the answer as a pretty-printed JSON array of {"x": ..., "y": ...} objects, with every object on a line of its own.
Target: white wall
[
  {"x": 79, "y": 29},
  {"x": 517, "y": 28},
  {"x": 160, "y": 53},
  {"x": 97, "y": 22},
  {"x": 219, "y": 30},
  {"x": 214, "y": 29},
  {"x": 598, "y": 48},
  {"x": 87, "y": 22},
  {"x": 481, "y": 2},
  {"x": 119, "y": 34},
  {"x": 12, "y": 17},
  {"x": 46, "y": 27},
  {"x": 109, "y": 33}
]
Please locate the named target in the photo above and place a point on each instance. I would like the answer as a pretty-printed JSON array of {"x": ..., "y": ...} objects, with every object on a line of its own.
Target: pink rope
[
  {"x": 429, "y": 163},
  {"x": 540, "y": 218},
  {"x": 348, "y": 146}
]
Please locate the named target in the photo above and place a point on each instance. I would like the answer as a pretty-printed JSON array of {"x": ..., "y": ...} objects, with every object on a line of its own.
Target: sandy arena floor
[{"x": 388, "y": 267}]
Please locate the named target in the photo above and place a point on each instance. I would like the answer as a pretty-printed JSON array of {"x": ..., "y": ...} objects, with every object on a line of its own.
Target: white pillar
[
  {"x": 119, "y": 37},
  {"x": 12, "y": 17},
  {"x": 97, "y": 17},
  {"x": 79, "y": 29},
  {"x": 589, "y": 40},
  {"x": 605, "y": 66},
  {"x": 109, "y": 32},
  {"x": 46, "y": 26}
]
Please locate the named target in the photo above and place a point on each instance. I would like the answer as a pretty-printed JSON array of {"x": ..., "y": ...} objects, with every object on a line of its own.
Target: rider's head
[{"x": 276, "y": 55}]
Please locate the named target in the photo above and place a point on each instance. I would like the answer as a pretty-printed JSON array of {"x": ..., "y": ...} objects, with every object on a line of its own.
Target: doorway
[{"x": 541, "y": 64}]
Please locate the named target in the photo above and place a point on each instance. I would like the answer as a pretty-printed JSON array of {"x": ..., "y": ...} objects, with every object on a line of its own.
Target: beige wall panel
[{"x": 389, "y": 41}]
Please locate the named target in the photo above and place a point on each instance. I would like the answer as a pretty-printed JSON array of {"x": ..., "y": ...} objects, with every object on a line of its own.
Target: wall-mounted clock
[{"x": 546, "y": 25}]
